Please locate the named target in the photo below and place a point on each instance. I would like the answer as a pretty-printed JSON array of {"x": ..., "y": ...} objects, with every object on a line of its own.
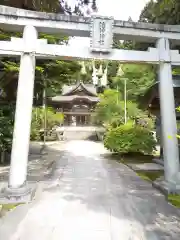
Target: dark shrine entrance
[{"x": 81, "y": 120}]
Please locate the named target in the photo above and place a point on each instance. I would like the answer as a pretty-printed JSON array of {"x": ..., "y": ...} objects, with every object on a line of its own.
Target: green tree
[
  {"x": 161, "y": 11},
  {"x": 107, "y": 109},
  {"x": 37, "y": 123},
  {"x": 55, "y": 72},
  {"x": 59, "y": 6},
  {"x": 111, "y": 109},
  {"x": 138, "y": 79},
  {"x": 52, "y": 73}
]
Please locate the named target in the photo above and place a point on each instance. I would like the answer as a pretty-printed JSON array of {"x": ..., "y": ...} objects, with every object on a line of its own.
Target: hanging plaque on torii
[{"x": 101, "y": 34}]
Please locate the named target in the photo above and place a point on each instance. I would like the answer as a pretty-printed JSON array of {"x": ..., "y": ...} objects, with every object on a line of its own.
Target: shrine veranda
[{"x": 101, "y": 31}]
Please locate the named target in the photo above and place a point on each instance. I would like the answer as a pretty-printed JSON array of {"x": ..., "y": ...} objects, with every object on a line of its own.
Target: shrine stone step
[{"x": 79, "y": 135}]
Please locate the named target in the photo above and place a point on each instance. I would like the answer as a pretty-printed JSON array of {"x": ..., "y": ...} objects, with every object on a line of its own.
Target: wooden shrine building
[
  {"x": 77, "y": 103},
  {"x": 151, "y": 102}
]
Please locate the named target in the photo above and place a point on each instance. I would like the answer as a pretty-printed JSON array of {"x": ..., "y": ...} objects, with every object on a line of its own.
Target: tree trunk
[
  {"x": 3, "y": 157},
  {"x": 11, "y": 88}
]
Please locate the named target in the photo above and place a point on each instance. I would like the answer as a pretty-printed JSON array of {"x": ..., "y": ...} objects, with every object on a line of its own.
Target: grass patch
[
  {"x": 150, "y": 175},
  {"x": 132, "y": 158},
  {"x": 9, "y": 206},
  {"x": 174, "y": 200},
  {"x": 136, "y": 158},
  {"x": 4, "y": 208}
]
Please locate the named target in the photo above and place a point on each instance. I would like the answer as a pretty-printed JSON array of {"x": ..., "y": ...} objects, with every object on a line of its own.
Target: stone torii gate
[{"x": 101, "y": 31}]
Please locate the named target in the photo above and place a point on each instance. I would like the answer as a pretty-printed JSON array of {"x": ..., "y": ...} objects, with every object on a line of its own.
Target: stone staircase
[{"x": 79, "y": 133}]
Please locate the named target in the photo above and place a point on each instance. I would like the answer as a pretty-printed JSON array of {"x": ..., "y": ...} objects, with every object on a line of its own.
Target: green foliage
[
  {"x": 161, "y": 11},
  {"x": 110, "y": 109},
  {"x": 107, "y": 110},
  {"x": 10, "y": 66},
  {"x": 128, "y": 138},
  {"x": 174, "y": 199},
  {"x": 150, "y": 175},
  {"x": 54, "y": 39},
  {"x": 53, "y": 75},
  {"x": 6, "y": 127},
  {"x": 138, "y": 79},
  {"x": 126, "y": 45},
  {"x": 37, "y": 123},
  {"x": 51, "y": 5},
  {"x": 54, "y": 72},
  {"x": 50, "y": 73}
]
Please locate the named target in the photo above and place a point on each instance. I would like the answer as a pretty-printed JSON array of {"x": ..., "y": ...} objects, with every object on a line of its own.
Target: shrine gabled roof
[
  {"x": 89, "y": 88},
  {"x": 153, "y": 92}
]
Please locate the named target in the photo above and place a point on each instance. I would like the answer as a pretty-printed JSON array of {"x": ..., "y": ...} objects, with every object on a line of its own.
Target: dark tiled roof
[
  {"x": 73, "y": 97},
  {"x": 88, "y": 87}
]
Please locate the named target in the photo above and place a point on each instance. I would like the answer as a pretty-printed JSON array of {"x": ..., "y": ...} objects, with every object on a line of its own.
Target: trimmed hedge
[{"x": 128, "y": 138}]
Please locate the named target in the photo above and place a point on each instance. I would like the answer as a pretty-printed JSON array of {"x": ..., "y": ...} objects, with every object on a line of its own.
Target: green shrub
[
  {"x": 128, "y": 138},
  {"x": 37, "y": 123}
]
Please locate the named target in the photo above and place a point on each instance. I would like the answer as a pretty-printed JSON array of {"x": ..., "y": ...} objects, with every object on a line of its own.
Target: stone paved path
[{"x": 91, "y": 197}]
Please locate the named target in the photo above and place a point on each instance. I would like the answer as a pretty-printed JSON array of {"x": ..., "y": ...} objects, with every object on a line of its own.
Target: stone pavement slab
[
  {"x": 39, "y": 165},
  {"x": 94, "y": 197},
  {"x": 36, "y": 147},
  {"x": 159, "y": 161},
  {"x": 145, "y": 166}
]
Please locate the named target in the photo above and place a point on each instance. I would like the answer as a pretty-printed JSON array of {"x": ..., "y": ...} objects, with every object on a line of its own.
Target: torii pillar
[
  {"x": 168, "y": 117},
  {"x": 22, "y": 125}
]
